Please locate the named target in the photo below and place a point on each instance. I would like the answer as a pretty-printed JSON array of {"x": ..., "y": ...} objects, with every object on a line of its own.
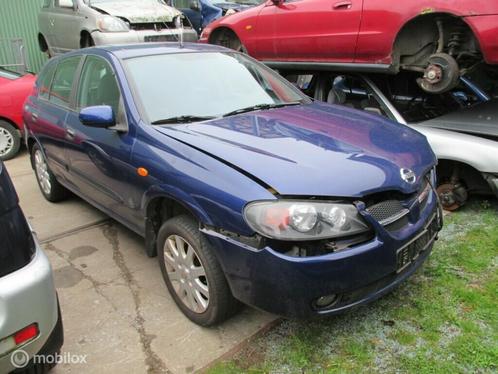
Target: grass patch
[{"x": 444, "y": 319}]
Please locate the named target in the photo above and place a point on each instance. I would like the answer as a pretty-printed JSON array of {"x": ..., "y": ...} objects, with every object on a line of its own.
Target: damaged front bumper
[
  {"x": 142, "y": 36},
  {"x": 290, "y": 286}
]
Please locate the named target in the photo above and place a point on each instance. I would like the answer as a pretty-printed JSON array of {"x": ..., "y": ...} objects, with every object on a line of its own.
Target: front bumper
[
  {"x": 133, "y": 36},
  {"x": 289, "y": 286},
  {"x": 28, "y": 296}
]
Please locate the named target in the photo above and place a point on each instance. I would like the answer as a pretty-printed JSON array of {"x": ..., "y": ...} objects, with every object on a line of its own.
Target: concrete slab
[
  {"x": 118, "y": 312},
  {"x": 115, "y": 306},
  {"x": 49, "y": 220}
]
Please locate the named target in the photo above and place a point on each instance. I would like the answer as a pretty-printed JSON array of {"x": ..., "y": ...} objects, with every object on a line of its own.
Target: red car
[
  {"x": 14, "y": 89},
  {"x": 441, "y": 39}
]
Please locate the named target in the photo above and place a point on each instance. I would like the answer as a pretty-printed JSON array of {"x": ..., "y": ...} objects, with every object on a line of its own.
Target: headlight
[
  {"x": 304, "y": 220},
  {"x": 112, "y": 24}
]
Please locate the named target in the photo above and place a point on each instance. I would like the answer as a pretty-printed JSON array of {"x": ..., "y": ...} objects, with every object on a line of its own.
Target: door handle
[
  {"x": 70, "y": 133},
  {"x": 34, "y": 116},
  {"x": 343, "y": 5}
]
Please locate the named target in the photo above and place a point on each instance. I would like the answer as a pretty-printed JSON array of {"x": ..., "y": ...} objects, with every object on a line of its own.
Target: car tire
[
  {"x": 51, "y": 189},
  {"x": 10, "y": 141},
  {"x": 215, "y": 303}
]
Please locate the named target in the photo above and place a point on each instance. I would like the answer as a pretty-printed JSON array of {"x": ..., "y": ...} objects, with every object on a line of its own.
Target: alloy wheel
[
  {"x": 186, "y": 273},
  {"x": 42, "y": 172},
  {"x": 6, "y": 142}
]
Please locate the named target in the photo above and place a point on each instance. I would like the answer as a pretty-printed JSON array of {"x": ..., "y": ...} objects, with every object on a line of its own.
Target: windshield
[
  {"x": 210, "y": 84},
  {"x": 242, "y": 2}
]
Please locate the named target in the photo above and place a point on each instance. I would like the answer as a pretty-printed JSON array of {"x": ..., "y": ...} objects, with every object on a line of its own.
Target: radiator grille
[{"x": 387, "y": 211}]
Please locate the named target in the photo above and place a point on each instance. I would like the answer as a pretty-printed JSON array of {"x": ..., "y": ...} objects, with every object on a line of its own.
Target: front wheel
[
  {"x": 51, "y": 189},
  {"x": 192, "y": 273},
  {"x": 10, "y": 141}
]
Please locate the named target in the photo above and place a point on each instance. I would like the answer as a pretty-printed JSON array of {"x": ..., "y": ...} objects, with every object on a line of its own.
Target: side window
[
  {"x": 44, "y": 81},
  {"x": 98, "y": 85},
  {"x": 63, "y": 81},
  {"x": 46, "y": 3},
  {"x": 64, "y": 3},
  {"x": 355, "y": 93}
]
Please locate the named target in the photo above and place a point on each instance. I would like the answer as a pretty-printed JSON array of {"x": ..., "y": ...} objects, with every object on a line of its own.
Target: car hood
[
  {"x": 138, "y": 12},
  {"x": 313, "y": 150},
  {"x": 481, "y": 119}
]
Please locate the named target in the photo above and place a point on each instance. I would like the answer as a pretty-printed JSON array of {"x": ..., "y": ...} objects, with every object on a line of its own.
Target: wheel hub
[
  {"x": 433, "y": 74},
  {"x": 186, "y": 273},
  {"x": 42, "y": 174},
  {"x": 452, "y": 196},
  {"x": 441, "y": 74},
  {"x": 6, "y": 142}
]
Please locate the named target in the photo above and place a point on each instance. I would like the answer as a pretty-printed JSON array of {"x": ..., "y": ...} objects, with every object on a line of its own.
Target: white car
[
  {"x": 66, "y": 25},
  {"x": 461, "y": 125}
]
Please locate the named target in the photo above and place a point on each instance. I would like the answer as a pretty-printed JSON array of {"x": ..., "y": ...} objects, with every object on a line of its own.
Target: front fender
[
  {"x": 180, "y": 196},
  {"x": 480, "y": 153}
]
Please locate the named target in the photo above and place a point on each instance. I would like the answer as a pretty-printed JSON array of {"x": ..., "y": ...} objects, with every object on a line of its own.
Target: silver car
[
  {"x": 461, "y": 125},
  {"x": 65, "y": 25},
  {"x": 31, "y": 333}
]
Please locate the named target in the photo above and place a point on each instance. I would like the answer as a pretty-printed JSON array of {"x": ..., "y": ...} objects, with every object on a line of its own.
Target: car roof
[{"x": 146, "y": 49}]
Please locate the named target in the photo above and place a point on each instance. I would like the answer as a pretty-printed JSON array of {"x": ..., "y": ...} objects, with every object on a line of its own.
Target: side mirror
[
  {"x": 100, "y": 116},
  {"x": 194, "y": 5},
  {"x": 277, "y": 2}
]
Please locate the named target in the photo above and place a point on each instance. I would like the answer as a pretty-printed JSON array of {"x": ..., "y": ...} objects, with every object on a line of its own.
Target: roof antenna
[{"x": 179, "y": 25}]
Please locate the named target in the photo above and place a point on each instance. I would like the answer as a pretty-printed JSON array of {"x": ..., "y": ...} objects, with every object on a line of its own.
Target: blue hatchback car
[{"x": 247, "y": 190}]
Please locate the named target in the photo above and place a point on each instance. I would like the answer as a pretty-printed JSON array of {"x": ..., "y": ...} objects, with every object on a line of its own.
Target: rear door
[
  {"x": 100, "y": 158},
  {"x": 313, "y": 30},
  {"x": 48, "y": 110}
]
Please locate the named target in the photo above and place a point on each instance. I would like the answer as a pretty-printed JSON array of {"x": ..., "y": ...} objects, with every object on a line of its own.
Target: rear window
[
  {"x": 62, "y": 84},
  {"x": 45, "y": 80}
]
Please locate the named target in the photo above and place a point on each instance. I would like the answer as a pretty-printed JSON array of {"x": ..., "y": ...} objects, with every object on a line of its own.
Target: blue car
[{"x": 246, "y": 189}]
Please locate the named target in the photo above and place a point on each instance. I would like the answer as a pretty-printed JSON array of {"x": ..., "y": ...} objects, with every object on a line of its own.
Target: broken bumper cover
[
  {"x": 142, "y": 36},
  {"x": 289, "y": 286}
]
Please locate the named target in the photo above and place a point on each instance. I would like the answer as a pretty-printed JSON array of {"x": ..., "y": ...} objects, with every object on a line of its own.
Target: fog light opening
[{"x": 327, "y": 301}]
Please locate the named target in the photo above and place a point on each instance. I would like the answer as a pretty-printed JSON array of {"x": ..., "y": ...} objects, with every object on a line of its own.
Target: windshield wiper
[
  {"x": 259, "y": 107},
  {"x": 182, "y": 119}
]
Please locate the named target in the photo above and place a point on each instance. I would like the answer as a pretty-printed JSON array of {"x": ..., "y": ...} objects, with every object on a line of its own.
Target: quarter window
[
  {"x": 98, "y": 86},
  {"x": 63, "y": 81},
  {"x": 44, "y": 81}
]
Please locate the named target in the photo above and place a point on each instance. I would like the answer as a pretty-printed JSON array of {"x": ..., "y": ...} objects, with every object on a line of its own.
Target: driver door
[{"x": 312, "y": 30}]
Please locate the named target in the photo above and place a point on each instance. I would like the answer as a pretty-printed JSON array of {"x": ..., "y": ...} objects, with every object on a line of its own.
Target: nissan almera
[{"x": 245, "y": 189}]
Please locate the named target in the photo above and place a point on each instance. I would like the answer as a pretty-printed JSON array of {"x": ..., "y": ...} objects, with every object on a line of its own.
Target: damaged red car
[{"x": 440, "y": 39}]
